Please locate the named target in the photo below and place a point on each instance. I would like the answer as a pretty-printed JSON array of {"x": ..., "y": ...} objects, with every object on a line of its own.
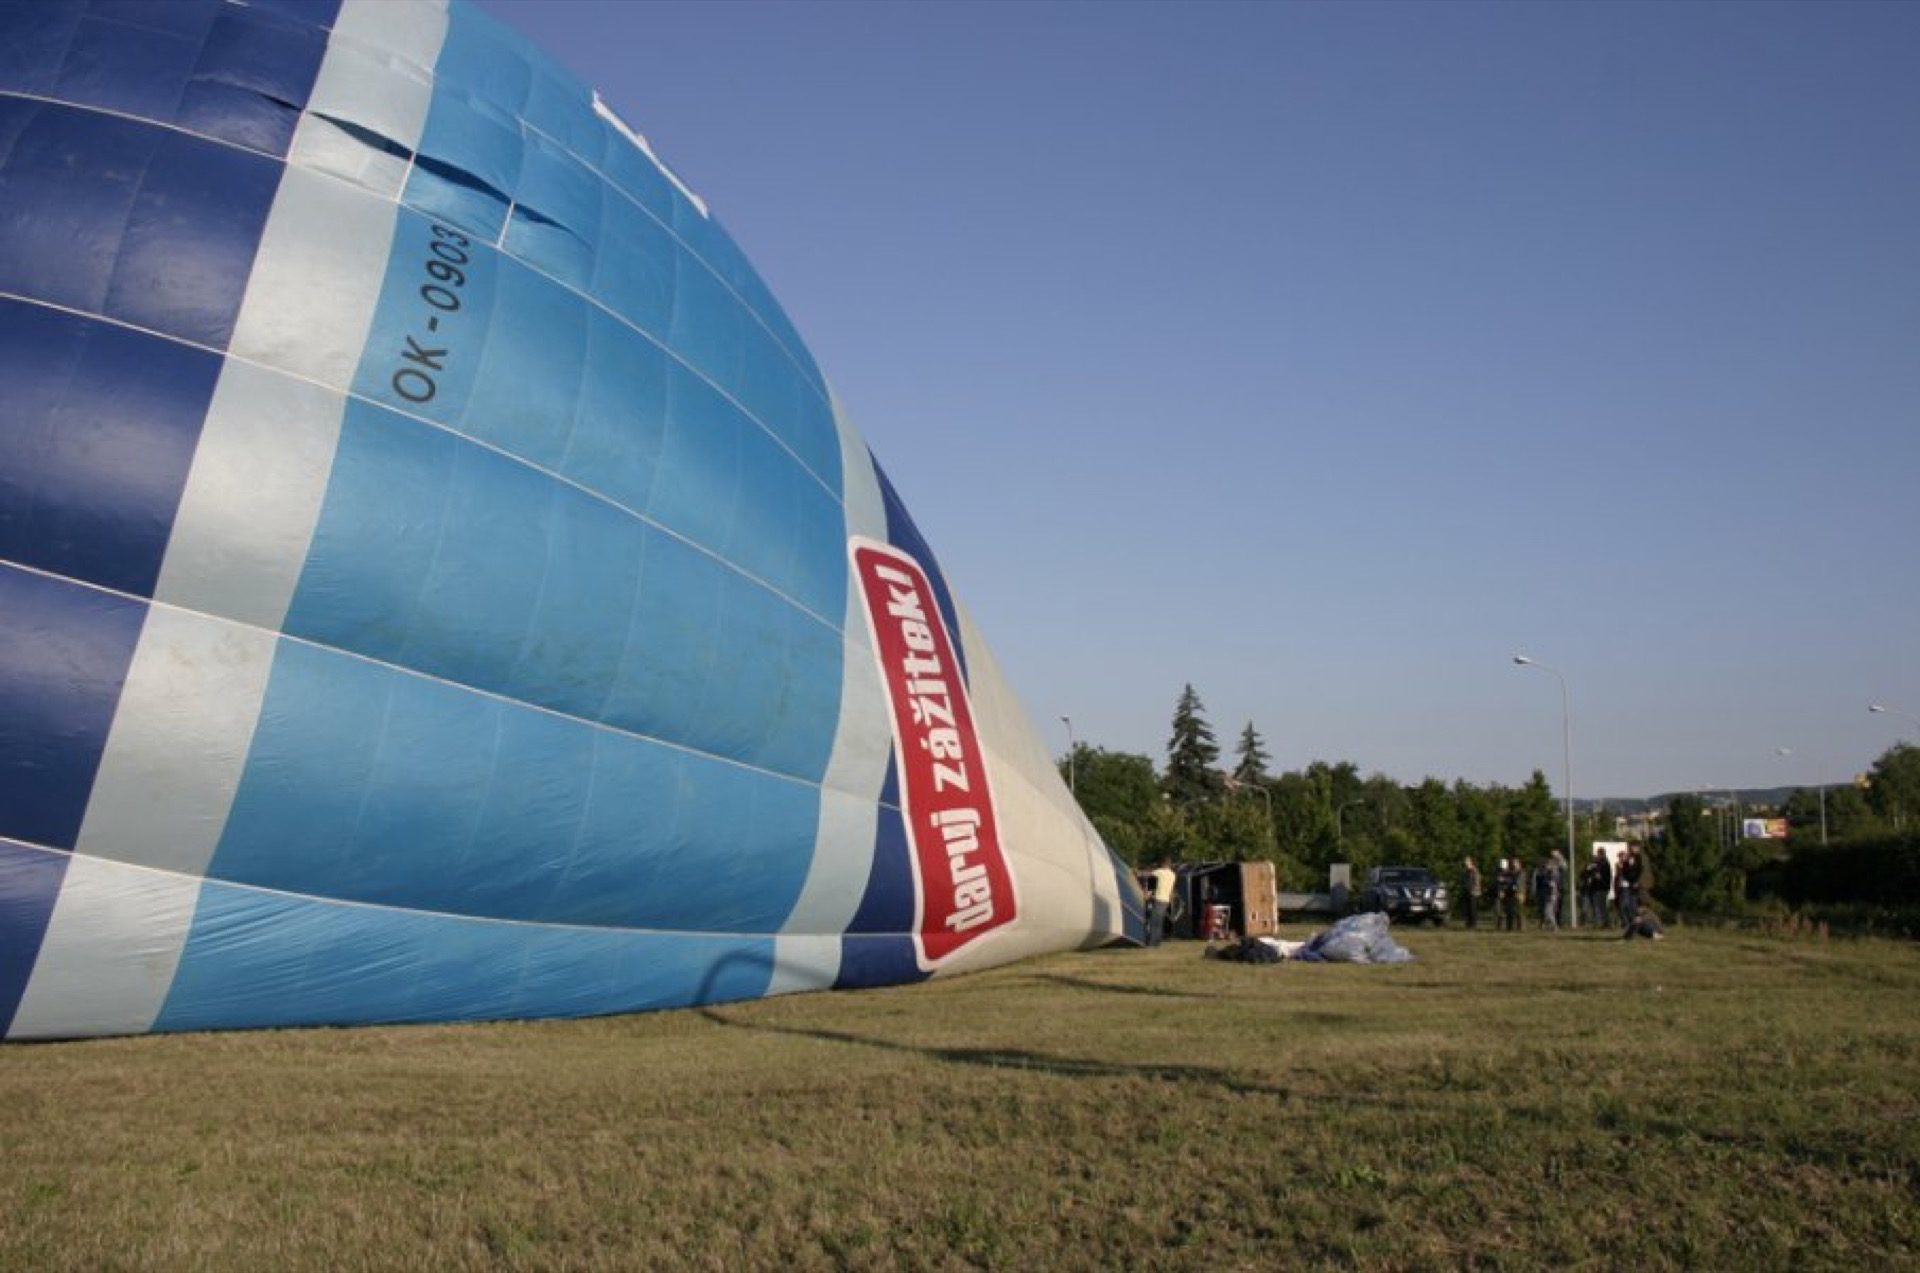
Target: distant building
[{"x": 1640, "y": 827}]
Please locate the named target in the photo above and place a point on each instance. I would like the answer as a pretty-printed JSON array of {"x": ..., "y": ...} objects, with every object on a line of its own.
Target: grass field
[{"x": 1715, "y": 1101}]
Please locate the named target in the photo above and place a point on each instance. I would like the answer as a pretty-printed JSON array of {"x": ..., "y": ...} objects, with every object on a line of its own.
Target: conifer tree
[
  {"x": 1191, "y": 753},
  {"x": 1252, "y": 757}
]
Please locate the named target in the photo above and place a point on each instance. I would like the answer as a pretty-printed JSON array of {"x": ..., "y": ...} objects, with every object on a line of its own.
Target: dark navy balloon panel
[
  {"x": 903, "y": 533},
  {"x": 425, "y": 586},
  {"x": 78, "y": 389},
  {"x": 64, "y": 651},
  {"x": 143, "y": 225},
  {"x": 237, "y": 73},
  {"x": 29, "y": 885}
]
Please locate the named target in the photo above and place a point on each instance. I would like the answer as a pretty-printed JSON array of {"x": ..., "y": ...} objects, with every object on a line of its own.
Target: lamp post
[
  {"x": 1073, "y": 787},
  {"x": 1260, "y": 787},
  {"x": 1822, "y": 789},
  {"x": 1893, "y": 711},
  {"x": 1566, "y": 741},
  {"x": 1339, "y": 826},
  {"x": 1708, "y": 809}
]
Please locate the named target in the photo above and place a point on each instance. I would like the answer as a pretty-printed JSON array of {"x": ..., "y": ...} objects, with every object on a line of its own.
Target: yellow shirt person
[{"x": 1160, "y": 902}]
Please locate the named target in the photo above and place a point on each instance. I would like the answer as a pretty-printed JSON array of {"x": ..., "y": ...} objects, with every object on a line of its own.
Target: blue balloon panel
[{"x": 436, "y": 582}]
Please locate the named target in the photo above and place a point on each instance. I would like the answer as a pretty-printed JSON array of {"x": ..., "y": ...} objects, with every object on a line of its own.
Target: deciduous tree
[
  {"x": 1535, "y": 826},
  {"x": 1112, "y": 784},
  {"x": 1893, "y": 786}
]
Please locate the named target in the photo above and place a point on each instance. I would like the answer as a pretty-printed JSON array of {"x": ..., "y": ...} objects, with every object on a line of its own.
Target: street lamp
[
  {"x": 1822, "y": 789},
  {"x": 1339, "y": 828},
  {"x": 1072, "y": 786},
  {"x": 1893, "y": 711},
  {"x": 1260, "y": 787},
  {"x": 1236, "y": 786},
  {"x": 1566, "y": 739}
]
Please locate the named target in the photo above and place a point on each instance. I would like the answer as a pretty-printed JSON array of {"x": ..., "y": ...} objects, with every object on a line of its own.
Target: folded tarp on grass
[{"x": 1357, "y": 939}]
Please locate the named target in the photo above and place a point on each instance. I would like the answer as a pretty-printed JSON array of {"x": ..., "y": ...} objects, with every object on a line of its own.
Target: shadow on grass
[
  {"x": 1225, "y": 1080},
  {"x": 1080, "y": 983},
  {"x": 1007, "y": 1058},
  {"x": 1020, "y": 1059},
  {"x": 1077, "y": 1068}
]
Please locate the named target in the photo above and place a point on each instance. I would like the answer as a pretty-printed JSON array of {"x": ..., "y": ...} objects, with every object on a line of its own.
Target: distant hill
[{"x": 1746, "y": 798}]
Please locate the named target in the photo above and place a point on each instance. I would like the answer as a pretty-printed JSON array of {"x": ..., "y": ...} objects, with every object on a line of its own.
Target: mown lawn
[{"x": 1714, "y": 1101}]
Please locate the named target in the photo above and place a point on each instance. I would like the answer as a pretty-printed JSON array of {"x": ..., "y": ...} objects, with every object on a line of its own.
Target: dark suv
[{"x": 1405, "y": 893}]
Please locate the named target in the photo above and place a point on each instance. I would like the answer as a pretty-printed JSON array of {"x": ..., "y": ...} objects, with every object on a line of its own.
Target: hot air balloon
[{"x": 436, "y": 582}]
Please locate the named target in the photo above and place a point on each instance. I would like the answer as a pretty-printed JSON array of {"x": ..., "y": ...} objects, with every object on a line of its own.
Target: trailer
[{"x": 1218, "y": 901}]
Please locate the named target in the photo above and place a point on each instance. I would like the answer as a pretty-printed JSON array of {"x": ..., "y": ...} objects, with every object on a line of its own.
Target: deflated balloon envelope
[{"x": 435, "y": 580}]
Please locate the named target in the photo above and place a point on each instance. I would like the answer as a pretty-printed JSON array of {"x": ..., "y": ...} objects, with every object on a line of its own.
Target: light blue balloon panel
[
  {"x": 623, "y": 609},
  {"x": 423, "y": 576}
]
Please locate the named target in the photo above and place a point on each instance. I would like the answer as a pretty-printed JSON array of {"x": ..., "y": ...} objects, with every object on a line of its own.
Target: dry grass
[{"x": 1508, "y": 1101}]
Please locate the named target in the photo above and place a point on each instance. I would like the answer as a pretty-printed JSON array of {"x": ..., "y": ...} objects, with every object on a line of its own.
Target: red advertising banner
[{"x": 963, "y": 888}]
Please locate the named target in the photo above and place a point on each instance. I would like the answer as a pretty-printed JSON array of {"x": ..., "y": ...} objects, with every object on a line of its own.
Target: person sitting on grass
[{"x": 1645, "y": 924}]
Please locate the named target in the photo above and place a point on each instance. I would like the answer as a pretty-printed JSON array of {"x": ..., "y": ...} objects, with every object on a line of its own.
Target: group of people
[{"x": 1609, "y": 892}]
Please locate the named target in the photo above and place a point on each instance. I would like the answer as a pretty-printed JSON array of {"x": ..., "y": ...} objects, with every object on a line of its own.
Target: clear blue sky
[{"x": 1326, "y": 355}]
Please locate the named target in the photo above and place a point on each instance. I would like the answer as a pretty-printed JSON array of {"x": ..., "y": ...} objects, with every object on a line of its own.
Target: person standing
[
  {"x": 1508, "y": 886},
  {"x": 1627, "y": 881},
  {"x": 1159, "y": 899},
  {"x": 1548, "y": 882},
  {"x": 1470, "y": 892},
  {"x": 1599, "y": 887}
]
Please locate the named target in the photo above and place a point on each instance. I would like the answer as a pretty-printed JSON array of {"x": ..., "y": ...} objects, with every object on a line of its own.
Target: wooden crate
[{"x": 1260, "y": 901}]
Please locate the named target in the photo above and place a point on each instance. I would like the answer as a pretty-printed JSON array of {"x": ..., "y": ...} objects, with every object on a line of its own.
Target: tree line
[{"x": 1197, "y": 808}]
